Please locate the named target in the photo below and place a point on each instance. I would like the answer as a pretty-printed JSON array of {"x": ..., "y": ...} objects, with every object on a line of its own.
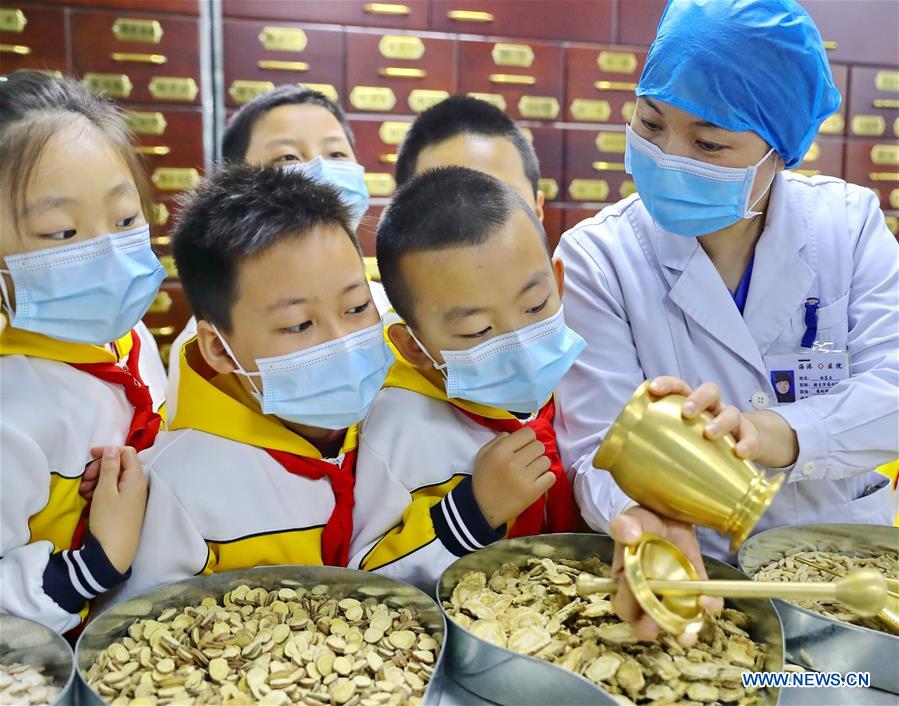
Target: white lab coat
[{"x": 652, "y": 303}]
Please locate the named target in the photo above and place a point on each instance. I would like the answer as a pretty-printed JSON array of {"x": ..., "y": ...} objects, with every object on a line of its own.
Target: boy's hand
[
  {"x": 626, "y": 529},
  {"x": 510, "y": 473},
  {"x": 117, "y": 511}
]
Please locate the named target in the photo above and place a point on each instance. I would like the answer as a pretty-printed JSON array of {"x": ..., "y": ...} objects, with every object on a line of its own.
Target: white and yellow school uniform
[
  {"x": 415, "y": 509},
  {"x": 218, "y": 499},
  {"x": 51, "y": 415}
]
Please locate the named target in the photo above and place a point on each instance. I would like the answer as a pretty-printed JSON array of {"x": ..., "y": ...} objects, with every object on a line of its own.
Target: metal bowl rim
[{"x": 66, "y": 689}]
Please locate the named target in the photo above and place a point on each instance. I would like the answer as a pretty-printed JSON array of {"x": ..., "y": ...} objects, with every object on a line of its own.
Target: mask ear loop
[
  {"x": 749, "y": 212},
  {"x": 437, "y": 366},
  {"x": 240, "y": 370}
]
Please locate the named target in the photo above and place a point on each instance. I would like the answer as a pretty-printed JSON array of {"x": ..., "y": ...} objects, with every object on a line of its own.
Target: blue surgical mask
[
  {"x": 688, "y": 197},
  {"x": 347, "y": 177},
  {"x": 89, "y": 292},
  {"x": 330, "y": 386},
  {"x": 516, "y": 371}
]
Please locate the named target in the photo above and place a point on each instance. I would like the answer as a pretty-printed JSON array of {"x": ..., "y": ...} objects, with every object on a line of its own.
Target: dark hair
[
  {"x": 34, "y": 107},
  {"x": 442, "y": 208},
  {"x": 463, "y": 115},
  {"x": 236, "y": 212},
  {"x": 236, "y": 139},
  {"x": 783, "y": 377}
]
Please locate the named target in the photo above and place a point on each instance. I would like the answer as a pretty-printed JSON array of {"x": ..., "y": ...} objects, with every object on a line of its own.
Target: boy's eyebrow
[
  {"x": 460, "y": 312},
  {"x": 293, "y": 301},
  {"x": 535, "y": 279}
]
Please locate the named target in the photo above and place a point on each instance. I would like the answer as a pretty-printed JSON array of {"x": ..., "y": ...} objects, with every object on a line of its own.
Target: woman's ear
[
  {"x": 213, "y": 350},
  {"x": 559, "y": 272},
  {"x": 410, "y": 350}
]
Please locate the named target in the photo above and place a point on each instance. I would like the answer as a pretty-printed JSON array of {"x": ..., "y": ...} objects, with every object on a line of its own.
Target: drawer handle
[
  {"x": 388, "y": 158},
  {"x": 401, "y": 72},
  {"x": 609, "y": 166},
  {"x": 514, "y": 79},
  {"x": 386, "y": 8},
  {"x": 886, "y": 102},
  {"x": 469, "y": 16},
  {"x": 18, "y": 49},
  {"x": 132, "y": 58},
  {"x": 615, "y": 86},
  {"x": 884, "y": 176},
  {"x": 830, "y": 44},
  {"x": 162, "y": 304},
  {"x": 154, "y": 150},
  {"x": 162, "y": 330},
  {"x": 161, "y": 240},
  {"x": 276, "y": 65}
]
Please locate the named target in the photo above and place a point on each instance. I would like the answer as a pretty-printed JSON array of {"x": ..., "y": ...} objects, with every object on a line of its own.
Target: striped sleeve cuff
[
  {"x": 459, "y": 523},
  {"x": 73, "y": 577}
]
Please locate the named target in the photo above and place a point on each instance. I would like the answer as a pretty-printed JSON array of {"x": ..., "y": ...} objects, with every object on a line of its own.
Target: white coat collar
[{"x": 779, "y": 285}]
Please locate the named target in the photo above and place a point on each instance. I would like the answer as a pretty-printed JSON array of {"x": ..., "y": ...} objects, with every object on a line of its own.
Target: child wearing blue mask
[
  {"x": 295, "y": 128},
  {"x": 82, "y": 380},
  {"x": 258, "y": 467},
  {"x": 459, "y": 448}
]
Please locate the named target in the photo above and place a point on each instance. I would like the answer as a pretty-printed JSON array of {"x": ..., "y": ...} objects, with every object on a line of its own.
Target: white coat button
[
  {"x": 760, "y": 400},
  {"x": 808, "y": 468}
]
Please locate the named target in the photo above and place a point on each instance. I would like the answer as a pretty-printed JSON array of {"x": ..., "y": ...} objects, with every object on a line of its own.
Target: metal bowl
[
  {"x": 503, "y": 676},
  {"x": 27, "y": 642},
  {"x": 812, "y": 640},
  {"x": 112, "y": 624}
]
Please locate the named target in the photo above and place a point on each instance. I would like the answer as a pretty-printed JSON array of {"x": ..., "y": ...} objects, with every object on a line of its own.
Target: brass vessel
[{"x": 665, "y": 463}]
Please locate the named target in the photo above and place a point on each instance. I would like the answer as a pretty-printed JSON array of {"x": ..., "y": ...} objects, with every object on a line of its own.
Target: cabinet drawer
[
  {"x": 167, "y": 315},
  {"x": 874, "y": 102},
  {"x": 32, "y": 38},
  {"x": 143, "y": 59},
  {"x": 404, "y": 14},
  {"x": 398, "y": 73},
  {"x": 262, "y": 55},
  {"x": 825, "y": 156},
  {"x": 875, "y": 164},
  {"x": 862, "y": 31},
  {"x": 377, "y": 142},
  {"x": 523, "y": 79},
  {"x": 570, "y": 20},
  {"x": 594, "y": 166},
  {"x": 601, "y": 83},
  {"x": 638, "y": 21},
  {"x": 547, "y": 142},
  {"x": 181, "y": 7}
]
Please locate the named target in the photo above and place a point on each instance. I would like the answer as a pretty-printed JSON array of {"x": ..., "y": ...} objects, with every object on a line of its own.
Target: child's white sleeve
[
  {"x": 413, "y": 534},
  {"x": 171, "y": 547},
  {"x": 37, "y": 583}
]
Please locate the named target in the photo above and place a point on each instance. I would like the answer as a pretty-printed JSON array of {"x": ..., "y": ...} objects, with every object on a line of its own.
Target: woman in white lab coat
[{"x": 728, "y": 275}]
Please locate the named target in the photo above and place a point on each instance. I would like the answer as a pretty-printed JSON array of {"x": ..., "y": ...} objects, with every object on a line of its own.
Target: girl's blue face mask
[
  {"x": 329, "y": 386},
  {"x": 688, "y": 197},
  {"x": 92, "y": 292},
  {"x": 347, "y": 177},
  {"x": 516, "y": 371}
]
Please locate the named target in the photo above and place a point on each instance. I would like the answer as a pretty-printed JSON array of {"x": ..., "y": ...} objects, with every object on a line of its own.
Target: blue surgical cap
[{"x": 754, "y": 65}]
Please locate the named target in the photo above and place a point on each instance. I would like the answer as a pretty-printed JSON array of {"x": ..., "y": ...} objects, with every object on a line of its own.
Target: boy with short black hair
[
  {"x": 467, "y": 132},
  {"x": 296, "y": 128},
  {"x": 459, "y": 449},
  {"x": 258, "y": 466}
]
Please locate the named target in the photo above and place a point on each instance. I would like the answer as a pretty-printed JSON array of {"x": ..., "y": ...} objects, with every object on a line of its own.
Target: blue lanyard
[
  {"x": 811, "y": 322},
  {"x": 742, "y": 290}
]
